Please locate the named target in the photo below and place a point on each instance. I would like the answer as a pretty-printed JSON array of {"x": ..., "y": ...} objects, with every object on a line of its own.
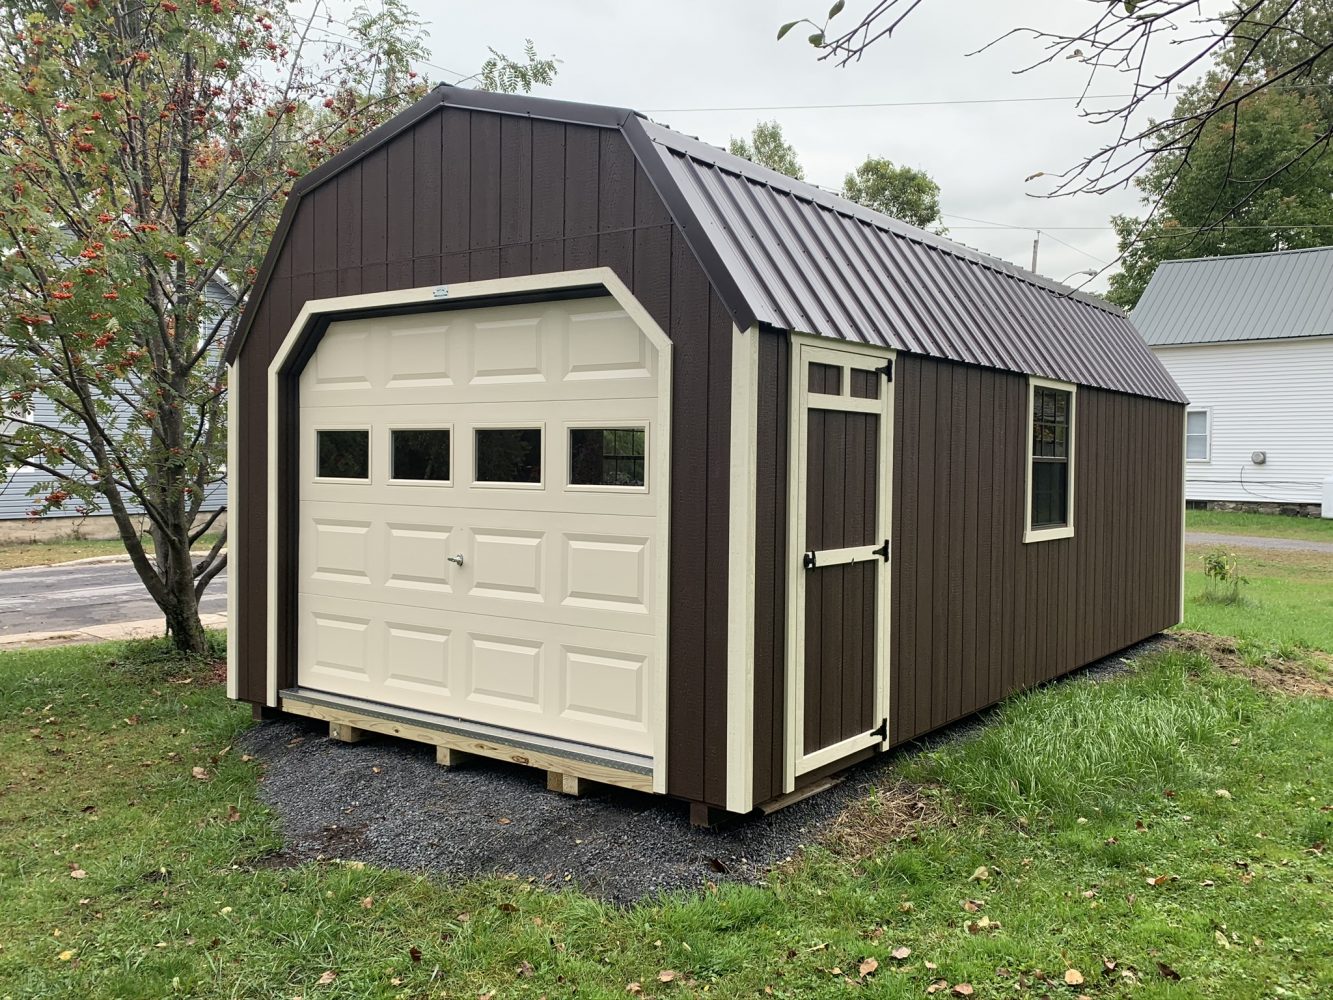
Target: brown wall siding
[
  {"x": 977, "y": 614},
  {"x": 464, "y": 196}
]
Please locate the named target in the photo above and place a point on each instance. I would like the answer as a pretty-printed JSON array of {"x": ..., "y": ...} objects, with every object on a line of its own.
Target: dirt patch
[
  {"x": 1308, "y": 678},
  {"x": 882, "y": 816}
]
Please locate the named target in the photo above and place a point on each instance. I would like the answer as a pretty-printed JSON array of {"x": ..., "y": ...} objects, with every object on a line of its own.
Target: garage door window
[
  {"x": 420, "y": 455},
  {"x": 509, "y": 455},
  {"x": 343, "y": 454},
  {"x": 606, "y": 456}
]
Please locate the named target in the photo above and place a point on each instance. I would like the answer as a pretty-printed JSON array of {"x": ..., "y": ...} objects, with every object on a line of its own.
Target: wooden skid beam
[
  {"x": 565, "y": 766},
  {"x": 449, "y": 757},
  {"x": 344, "y": 733},
  {"x": 565, "y": 784},
  {"x": 704, "y": 815}
]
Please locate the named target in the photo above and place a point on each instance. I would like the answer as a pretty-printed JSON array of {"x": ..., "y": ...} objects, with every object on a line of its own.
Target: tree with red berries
[{"x": 146, "y": 149}]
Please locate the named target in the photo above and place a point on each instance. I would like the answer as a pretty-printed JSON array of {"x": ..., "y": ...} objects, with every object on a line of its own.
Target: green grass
[
  {"x": 1310, "y": 529},
  {"x": 14, "y": 555},
  {"x": 1072, "y": 797},
  {"x": 1288, "y": 600}
]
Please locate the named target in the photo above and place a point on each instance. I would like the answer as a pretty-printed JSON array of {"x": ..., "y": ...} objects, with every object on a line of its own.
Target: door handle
[{"x": 456, "y": 558}]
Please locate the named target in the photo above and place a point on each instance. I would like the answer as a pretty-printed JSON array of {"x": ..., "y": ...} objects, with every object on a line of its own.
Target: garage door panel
[
  {"x": 583, "y": 684},
  {"x": 421, "y": 352},
  {"x": 505, "y": 671},
  {"x": 507, "y": 564},
  {"x": 340, "y": 550},
  {"x": 603, "y": 687},
  {"x": 601, "y": 346},
  {"x": 509, "y": 351},
  {"x": 418, "y": 660},
  {"x": 336, "y": 650},
  {"x": 528, "y": 606},
  {"x": 607, "y": 572},
  {"x": 418, "y": 556}
]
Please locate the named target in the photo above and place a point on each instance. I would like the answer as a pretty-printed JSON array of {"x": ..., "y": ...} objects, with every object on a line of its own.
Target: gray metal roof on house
[
  {"x": 1256, "y": 296},
  {"x": 788, "y": 255}
]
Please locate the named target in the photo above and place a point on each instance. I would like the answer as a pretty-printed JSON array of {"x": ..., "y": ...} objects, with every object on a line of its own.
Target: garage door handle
[{"x": 456, "y": 559}]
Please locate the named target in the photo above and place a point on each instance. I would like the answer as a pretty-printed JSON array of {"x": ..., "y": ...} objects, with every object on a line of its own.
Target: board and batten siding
[
  {"x": 976, "y": 614},
  {"x": 469, "y": 195},
  {"x": 1274, "y": 396}
]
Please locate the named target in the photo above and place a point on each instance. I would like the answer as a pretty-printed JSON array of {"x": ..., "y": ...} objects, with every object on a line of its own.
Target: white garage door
[{"x": 479, "y": 527}]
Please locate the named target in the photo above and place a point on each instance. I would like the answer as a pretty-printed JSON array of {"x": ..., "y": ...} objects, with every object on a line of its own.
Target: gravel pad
[{"x": 386, "y": 802}]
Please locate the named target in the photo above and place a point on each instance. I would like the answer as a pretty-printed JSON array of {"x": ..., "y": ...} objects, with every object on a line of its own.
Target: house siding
[
  {"x": 22, "y": 486},
  {"x": 975, "y": 613},
  {"x": 1269, "y": 396},
  {"x": 468, "y": 195}
]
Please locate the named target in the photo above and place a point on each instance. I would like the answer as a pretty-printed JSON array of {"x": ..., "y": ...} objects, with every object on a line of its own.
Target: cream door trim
[
  {"x": 233, "y": 525},
  {"x": 806, "y": 348},
  {"x": 1031, "y": 534},
  {"x": 741, "y": 570},
  {"x": 661, "y": 442}
]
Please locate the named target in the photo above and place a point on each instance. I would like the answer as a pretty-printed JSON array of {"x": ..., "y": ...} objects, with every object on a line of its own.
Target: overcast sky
[{"x": 671, "y": 60}]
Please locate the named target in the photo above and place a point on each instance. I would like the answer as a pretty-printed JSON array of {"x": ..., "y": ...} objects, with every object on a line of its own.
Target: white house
[
  {"x": 1250, "y": 341},
  {"x": 19, "y": 485}
]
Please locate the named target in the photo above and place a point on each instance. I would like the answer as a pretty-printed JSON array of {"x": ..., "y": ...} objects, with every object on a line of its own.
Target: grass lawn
[
  {"x": 1166, "y": 821},
  {"x": 1288, "y": 600},
  {"x": 1310, "y": 529},
  {"x": 15, "y": 555}
]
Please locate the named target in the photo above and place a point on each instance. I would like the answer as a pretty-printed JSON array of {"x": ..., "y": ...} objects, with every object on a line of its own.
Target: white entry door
[{"x": 481, "y": 518}]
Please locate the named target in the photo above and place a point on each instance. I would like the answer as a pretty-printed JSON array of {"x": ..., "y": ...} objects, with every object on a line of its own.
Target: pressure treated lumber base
[{"x": 350, "y": 726}]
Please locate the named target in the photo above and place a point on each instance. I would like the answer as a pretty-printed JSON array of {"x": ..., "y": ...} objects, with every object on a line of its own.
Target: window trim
[
  {"x": 632, "y": 424},
  {"x": 1066, "y": 530},
  {"x": 437, "y": 425},
  {"x": 370, "y": 453},
  {"x": 505, "y": 425},
  {"x": 1207, "y": 412}
]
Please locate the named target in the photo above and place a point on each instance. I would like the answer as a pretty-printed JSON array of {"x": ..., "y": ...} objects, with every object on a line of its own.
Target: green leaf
[
  {"x": 1131, "y": 6},
  {"x": 786, "y": 28},
  {"x": 836, "y": 9},
  {"x": 817, "y": 39}
]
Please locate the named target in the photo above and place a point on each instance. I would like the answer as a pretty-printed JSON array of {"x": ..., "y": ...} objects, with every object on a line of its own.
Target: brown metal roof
[
  {"x": 799, "y": 258},
  {"x": 790, "y": 256}
]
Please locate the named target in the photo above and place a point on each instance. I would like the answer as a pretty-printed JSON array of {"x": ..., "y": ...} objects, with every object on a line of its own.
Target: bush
[{"x": 1222, "y": 570}]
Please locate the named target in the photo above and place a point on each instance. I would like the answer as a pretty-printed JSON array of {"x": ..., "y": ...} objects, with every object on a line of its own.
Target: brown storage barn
[{"x": 562, "y": 437}]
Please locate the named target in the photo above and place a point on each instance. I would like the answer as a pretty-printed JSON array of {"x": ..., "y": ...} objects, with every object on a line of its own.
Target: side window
[
  {"x": 342, "y": 454},
  {"x": 509, "y": 455},
  {"x": 606, "y": 456},
  {"x": 1050, "y": 473},
  {"x": 419, "y": 455},
  {"x": 1198, "y": 441}
]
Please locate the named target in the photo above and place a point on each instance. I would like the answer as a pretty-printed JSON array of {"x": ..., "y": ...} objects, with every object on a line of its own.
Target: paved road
[
  {"x": 52, "y": 598},
  {"x": 1257, "y": 542}
]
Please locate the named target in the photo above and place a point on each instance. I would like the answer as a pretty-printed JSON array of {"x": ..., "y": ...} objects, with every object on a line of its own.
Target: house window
[
  {"x": 1197, "y": 436},
  {"x": 606, "y": 456},
  {"x": 342, "y": 454},
  {"x": 509, "y": 455},
  {"x": 420, "y": 455},
  {"x": 1050, "y": 479}
]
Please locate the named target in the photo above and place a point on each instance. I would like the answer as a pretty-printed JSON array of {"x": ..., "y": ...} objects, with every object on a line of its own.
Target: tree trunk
[{"x": 182, "y": 614}]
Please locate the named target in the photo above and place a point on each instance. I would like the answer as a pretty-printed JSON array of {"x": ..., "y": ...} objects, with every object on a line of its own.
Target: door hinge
[
  {"x": 886, "y": 370},
  {"x": 883, "y": 551},
  {"x": 883, "y": 731},
  {"x": 808, "y": 560}
]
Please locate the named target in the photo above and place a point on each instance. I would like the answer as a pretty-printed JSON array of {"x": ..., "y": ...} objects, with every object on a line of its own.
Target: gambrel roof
[{"x": 787, "y": 255}]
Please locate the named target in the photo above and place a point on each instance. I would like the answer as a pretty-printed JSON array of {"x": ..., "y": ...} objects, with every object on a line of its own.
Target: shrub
[{"x": 1222, "y": 569}]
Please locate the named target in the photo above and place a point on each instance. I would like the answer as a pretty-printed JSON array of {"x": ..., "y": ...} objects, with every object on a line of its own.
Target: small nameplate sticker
[{"x": 442, "y": 292}]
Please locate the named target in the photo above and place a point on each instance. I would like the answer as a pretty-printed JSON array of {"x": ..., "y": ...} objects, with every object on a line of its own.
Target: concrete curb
[
  {"x": 91, "y": 561},
  {"x": 145, "y": 628}
]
